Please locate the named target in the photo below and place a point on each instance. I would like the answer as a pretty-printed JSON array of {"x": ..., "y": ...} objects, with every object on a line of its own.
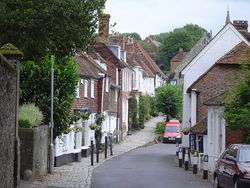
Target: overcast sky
[{"x": 156, "y": 16}]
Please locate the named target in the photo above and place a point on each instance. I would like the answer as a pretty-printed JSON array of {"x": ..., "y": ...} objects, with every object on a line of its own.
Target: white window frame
[
  {"x": 92, "y": 88},
  {"x": 107, "y": 84},
  {"x": 86, "y": 87},
  {"x": 117, "y": 76},
  {"x": 78, "y": 90}
]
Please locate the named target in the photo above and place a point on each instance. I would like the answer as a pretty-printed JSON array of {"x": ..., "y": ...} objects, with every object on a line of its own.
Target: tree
[
  {"x": 133, "y": 112},
  {"x": 35, "y": 88},
  {"x": 134, "y": 35},
  {"x": 237, "y": 104},
  {"x": 185, "y": 37},
  {"x": 169, "y": 100},
  {"x": 144, "y": 110},
  {"x": 58, "y": 27}
]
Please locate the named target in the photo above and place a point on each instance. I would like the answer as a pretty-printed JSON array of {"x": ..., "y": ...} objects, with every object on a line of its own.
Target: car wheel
[
  {"x": 216, "y": 182},
  {"x": 236, "y": 183}
]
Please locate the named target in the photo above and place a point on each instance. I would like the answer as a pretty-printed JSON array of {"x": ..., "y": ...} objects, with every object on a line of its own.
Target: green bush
[
  {"x": 30, "y": 116},
  {"x": 169, "y": 101},
  {"x": 133, "y": 113},
  {"x": 153, "y": 109},
  {"x": 144, "y": 110},
  {"x": 35, "y": 84},
  {"x": 160, "y": 128}
]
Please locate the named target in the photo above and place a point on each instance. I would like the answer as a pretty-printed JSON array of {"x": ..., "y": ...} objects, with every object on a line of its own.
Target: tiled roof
[
  {"x": 107, "y": 54},
  {"x": 134, "y": 49},
  {"x": 236, "y": 55},
  {"x": 200, "y": 127},
  {"x": 88, "y": 67},
  {"x": 179, "y": 56},
  {"x": 216, "y": 101},
  {"x": 233, "y": 57}
]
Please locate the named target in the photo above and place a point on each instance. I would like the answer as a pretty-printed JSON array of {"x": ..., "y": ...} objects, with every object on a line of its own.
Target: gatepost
[{"x": 9, "y": 100}]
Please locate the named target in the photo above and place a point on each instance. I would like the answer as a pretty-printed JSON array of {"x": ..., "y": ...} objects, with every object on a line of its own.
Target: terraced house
[{"x": 108, "y": 76}]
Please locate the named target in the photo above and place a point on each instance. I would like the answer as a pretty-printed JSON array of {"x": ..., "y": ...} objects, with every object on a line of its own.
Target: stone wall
[
  {"x": 8, "y": 101},
  {"x": 34, "y": 150}
]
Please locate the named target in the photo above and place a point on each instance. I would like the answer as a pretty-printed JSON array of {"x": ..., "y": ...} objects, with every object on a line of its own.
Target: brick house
[
  {"x": 211, "y": 134},
  {"x": 221, "y": 44}
]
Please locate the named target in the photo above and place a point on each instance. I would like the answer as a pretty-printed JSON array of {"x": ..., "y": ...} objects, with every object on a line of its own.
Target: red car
[
  {"x": 172, "y": 132},
  {"x": 233, "y": 167}
]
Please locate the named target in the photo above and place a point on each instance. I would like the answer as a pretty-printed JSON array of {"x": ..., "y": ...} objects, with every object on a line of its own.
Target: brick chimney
[
  {"x": 241, "y": 25},
  {"x": 104, "y": 27}
]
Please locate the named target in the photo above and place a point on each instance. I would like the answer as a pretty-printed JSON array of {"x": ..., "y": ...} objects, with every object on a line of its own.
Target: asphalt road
[{"x": 149, "y": 167}]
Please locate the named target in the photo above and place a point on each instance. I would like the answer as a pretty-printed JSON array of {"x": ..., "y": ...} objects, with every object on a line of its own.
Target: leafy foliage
[
  {"x": 29, "y": 116},
  {"x": 160, "y": 128},
  {"x": 144, "y": 110},
  {"x": 153, "y": 110},
  {"x": 185, "y": 37},
  {"x": 237, "y": 103},
  {"x": 133, "y": 112},
  {"x": 134, "y": 35},
  {"x": 35, "y": 88},
  {"x": 169, "y": 100},
  {"x": 49, "y": 26},
  {"x": 98, "y": 129}
]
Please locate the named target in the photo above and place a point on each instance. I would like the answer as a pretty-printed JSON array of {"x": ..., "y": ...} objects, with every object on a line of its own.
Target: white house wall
[
  {"x": 149, "y": 86},
  {"x": 216, "y": 139}
]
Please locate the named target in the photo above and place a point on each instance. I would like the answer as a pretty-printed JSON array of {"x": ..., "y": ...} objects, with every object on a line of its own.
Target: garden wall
[{"x": 34, "y": 145}]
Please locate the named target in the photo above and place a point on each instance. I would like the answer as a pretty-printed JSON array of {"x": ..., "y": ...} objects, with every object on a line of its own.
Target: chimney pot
[{"x": 241, "y": 25}]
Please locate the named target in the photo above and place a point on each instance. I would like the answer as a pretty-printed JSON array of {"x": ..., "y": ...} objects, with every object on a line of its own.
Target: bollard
[
  {"x": 195, "y": 163},
  {"x": 97, "y": 151},
  {"x": 106, "y": 147},
  {"x": 180, "y": 157},
  {"x": 92, "y": 153},
  {"x": 205, "y": 167},
  {"x": 110, "y": 145},
  {"x": 186, "y": 160}
]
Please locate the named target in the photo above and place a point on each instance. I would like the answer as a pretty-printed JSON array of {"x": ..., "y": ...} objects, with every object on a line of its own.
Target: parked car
[
  {"x": 172, "y": 132},
  {"x": 233, "y": 167}
]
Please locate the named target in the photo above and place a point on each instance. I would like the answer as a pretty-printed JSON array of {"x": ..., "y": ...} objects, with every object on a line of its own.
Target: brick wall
[
  {"x": 234, "y": 136},
  {"x": 219, "y": 79},
  {"x": 93, "y": 104}
]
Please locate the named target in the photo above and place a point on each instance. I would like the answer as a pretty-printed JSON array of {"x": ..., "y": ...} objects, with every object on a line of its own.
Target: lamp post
[{"x": 51, "y": 149}]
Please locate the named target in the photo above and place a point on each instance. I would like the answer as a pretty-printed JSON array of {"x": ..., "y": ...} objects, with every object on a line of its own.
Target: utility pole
[{"x": 51, "y": 149}]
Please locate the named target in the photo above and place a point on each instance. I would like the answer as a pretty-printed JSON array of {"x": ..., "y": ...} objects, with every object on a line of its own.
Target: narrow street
[{"x": 147, "y": 167}]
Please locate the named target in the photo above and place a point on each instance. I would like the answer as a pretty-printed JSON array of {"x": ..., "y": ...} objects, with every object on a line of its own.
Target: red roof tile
[{"x": 88, "y": 67}]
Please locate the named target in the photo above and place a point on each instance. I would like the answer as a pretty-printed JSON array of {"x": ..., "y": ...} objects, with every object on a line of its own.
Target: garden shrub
[
  {"x": 160, "y": 128},
  {"x": 144, "y": 110},
  {"x": 30, "y": 116},
  {"x": 153, "y": 109},
  {"x": 133, "y": 113}
]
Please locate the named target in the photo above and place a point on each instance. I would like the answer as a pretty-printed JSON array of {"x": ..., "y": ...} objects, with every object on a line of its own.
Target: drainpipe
[
  {"x": 103, "y": 90},
  {"x": 118, "y": 108}
]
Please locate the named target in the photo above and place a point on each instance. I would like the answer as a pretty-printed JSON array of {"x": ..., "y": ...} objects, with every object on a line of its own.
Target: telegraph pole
[{"x": 51, "y": 149}]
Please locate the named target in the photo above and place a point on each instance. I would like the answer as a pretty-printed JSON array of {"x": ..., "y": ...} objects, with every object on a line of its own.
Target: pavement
[
  {"x": 146, "y": 167},
  {"x": 79, "y": 174}
]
